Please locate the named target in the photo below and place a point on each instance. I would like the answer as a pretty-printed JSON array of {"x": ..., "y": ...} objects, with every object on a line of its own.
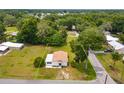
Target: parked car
[{"x": 108, "y": 50}]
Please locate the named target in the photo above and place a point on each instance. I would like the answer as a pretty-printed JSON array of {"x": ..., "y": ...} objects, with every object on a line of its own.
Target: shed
[
  {"x": 12, "y": 45},
  {"x": 117, "y": 46},
  {"x": 3, "y": 49}
]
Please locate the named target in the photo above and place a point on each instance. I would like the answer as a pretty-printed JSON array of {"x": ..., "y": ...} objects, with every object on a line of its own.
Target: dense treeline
[{"x": 51, "y": 29}]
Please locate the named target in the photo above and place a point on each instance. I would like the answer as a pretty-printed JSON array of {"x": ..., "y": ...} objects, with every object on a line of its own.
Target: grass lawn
[
  {"x": 19, "y": 64},
  {"x": 116, "y": 73},
  {"x": 11, "y": 29}
]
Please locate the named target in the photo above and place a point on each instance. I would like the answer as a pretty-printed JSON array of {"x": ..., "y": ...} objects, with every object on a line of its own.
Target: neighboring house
[
  {"x": 14, "y": 33},
  {"x": 118, "y": 47},
  {"x": 109, "y": 38},
  {"x": 3, "y": 49},
  {"x": 57, "y": 59},
  {"x": 12, "y": 45},
  {"x": 106, "y": 32}
]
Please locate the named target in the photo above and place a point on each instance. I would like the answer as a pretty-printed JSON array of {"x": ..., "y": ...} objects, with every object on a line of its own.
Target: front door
[{"x": 60, "y": 64}]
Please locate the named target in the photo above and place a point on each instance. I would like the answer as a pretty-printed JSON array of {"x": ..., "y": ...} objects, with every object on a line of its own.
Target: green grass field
[
  {"x": 19, "y": 63},
  {"x": 11, "y": 29},
  {"x": 117, "y": 73}
]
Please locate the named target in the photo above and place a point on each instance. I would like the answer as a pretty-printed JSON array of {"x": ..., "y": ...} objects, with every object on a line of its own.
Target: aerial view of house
[
  {"x": 57, "y": 59},
  {"x": 63, "y": 46}
]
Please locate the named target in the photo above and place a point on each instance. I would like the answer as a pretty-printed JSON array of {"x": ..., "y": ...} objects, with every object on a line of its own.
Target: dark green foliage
[
  {"x": 28, "y": 29},
  {"x": 121, "y": 37},
  {"x": 39, "y": 62},
  {"x": 77, "y": 48},
  {"x": 118, "y": 25},
  {"x": 92, "y": 37},
  {"x": 9, "y": 20},
  {"x": 49, "y": 35},
  {"x": 2, "y": 30},
  {"x": 116, "y": 56}
]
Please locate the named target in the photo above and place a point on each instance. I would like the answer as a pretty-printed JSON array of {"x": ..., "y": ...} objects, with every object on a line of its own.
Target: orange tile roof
[{"x": 60, "y": 56}]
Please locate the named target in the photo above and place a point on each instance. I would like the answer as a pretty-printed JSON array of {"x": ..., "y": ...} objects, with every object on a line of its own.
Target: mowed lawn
[
  {"x": 117, "y": 73},
  {"x": 19, "y": 63}
]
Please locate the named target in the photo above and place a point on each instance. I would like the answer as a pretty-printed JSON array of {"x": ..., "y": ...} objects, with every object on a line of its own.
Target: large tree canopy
[
  {"x": 89, "y": 38},
  {"x": 28, "y": 29},
  {"x": 2, "y": 30},
  {"x": 50, "y": 36},
  {"x": 118, "y": 25}
]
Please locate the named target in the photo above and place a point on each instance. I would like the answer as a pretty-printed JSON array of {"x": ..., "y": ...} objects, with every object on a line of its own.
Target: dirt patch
[{"x": 63, "y": 75}]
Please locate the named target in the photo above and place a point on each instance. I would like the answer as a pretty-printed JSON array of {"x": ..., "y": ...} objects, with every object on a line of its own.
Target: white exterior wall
[{"x": 62, "y": 63}]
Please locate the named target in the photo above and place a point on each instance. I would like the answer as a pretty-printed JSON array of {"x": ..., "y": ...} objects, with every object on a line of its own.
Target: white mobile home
[
  {"x": 118, "y": 47},
  {"x": 110, "y": 38},
  {"x": 13, "y": 45},
  {"x": 3, "y": 49}
]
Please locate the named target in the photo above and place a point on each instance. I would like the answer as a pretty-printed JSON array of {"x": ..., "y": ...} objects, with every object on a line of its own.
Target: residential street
[{"x": 102, "y": 75}]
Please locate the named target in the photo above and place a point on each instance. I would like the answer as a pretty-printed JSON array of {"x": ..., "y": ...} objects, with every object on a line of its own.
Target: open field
[
  {"x": 19, "y": 64},
  {"x": 117, "y": 72},
  {"x": 11, "y": 29}
]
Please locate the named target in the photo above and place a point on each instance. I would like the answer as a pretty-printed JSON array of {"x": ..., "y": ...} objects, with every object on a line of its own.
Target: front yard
[
  {"x": 18, "y": 64},
  {"x": 117, "y": 72}
]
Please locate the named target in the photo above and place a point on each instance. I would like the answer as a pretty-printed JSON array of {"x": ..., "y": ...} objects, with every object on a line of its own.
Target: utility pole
[{"x": 106, "y": 77}]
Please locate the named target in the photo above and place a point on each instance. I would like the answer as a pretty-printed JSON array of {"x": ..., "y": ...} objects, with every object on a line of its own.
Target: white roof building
[
  {"x": 13, "y": 45},
  {"x": 110, "y": 38},
  {"x": 3, "y": 48},
  {"x": 116, "y": 45},
  {"x": 14, "y": 33}
]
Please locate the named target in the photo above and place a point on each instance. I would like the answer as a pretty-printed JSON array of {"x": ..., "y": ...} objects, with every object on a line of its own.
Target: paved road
[
  {"x": 14, "y": 81},
  {"x": 100, "y": 79},
  {"x": 100, "y": 71}
]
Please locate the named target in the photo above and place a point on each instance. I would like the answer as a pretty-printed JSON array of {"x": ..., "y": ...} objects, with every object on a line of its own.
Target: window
[{"x": 49, "y": 63}]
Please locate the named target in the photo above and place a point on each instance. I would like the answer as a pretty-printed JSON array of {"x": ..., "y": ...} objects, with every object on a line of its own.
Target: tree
[
  {"x": 51, "y": 36},
  {"x": 44, "y": 32},
  {"x": 39, "y": 62},
  {"x": 91, "y": 37},
  {"x": 78, "y": 50},
  {"x": 28, "y": 30},
  {"x": 55, "y": 40},
  {"x": 9, "y": 20},
  {"x": 2, "y": 30},
  {"x": 121, "y": 37},
  {"x": 116, "y": 57},
  {"x": 118, "y": 25}
]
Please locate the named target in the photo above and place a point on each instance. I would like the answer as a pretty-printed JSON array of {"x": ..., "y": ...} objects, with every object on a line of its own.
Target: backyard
[
  {"x": 18, "y": 64},
  {"x": 117, "y": 72}
]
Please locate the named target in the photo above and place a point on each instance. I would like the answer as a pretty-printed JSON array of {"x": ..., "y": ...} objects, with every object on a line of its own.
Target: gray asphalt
[
  {"x": 15, "y": 81},
  {"x": 100, "y": 70}
]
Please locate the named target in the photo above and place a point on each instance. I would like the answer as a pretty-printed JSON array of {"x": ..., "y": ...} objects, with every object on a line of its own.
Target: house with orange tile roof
[{"x": 57, "y": 59}]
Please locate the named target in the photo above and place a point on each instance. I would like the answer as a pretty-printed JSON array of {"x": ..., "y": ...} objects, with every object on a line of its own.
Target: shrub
[
  {"x": 39, "y": 62},
  {"x": 73, "y": 64}
]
